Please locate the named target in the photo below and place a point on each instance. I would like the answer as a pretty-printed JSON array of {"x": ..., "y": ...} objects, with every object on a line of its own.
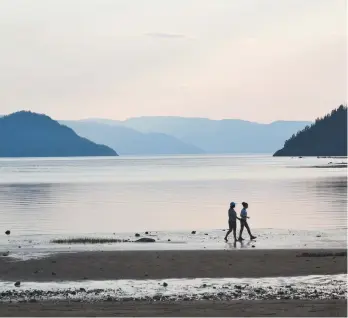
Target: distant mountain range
[
  {"x": 326, "y": 137},
  {"x": 178, "y": 135},
  {"x": 30, "y": 134},
  {"x": 128, "y": 141},
  {"x": 27, "y": 134}
]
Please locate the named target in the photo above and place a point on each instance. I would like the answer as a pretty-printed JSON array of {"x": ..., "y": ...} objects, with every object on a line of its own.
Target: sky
[{"x": 258, "y": 60}]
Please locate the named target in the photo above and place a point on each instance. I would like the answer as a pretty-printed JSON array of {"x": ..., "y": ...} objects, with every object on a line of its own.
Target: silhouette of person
[
  {"x": 244, "y": 223},
  {"x": 232, "y": 221}
]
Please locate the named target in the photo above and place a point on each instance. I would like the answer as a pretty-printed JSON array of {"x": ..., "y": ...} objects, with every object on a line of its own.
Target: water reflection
[
  {"x": 28, "y": 208},
  {"x": 336, "y": 186},
  {"x": 26, "y": 195},
  {"x": 114, "y": 200},
  {"x": 332, "y": 192}
]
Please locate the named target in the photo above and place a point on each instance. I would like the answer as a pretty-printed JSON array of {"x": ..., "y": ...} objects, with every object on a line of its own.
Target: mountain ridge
[
  {"x": 327, "y": 136},
  {"x": 29, "y": 134},
  {"x": 214, "y": 136},
  {"x": 128, "y": 141}
]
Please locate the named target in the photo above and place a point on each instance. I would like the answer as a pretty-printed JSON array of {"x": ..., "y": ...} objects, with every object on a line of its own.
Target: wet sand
[
  {"x": 280, "y": 308},
  {"x": 174, "y": 264}
]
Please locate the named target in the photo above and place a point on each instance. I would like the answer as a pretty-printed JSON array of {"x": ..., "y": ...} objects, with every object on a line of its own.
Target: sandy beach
[
  {"x": 280, "y": 308},
  {"x": 147, "y": 265},
  {"x": 174, "y": 264}
]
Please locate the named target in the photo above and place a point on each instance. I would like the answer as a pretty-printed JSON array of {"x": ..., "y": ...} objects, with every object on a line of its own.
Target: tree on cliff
[{"x": 326, "y": 137}]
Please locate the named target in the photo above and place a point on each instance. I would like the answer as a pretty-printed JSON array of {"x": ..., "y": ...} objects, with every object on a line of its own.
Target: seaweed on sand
[{"x": 87, "y": 240}]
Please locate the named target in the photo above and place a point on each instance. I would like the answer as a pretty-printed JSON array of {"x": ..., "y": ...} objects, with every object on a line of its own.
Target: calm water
[{"x": 89, "y": 195}]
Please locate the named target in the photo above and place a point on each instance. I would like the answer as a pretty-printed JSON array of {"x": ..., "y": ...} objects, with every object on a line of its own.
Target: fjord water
[{"x": 126, "y": 194}]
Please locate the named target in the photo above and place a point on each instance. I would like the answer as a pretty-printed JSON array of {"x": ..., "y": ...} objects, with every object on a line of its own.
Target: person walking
[
  {"x": 232, "y": 221},
  {"x": 244, "y": 223}
]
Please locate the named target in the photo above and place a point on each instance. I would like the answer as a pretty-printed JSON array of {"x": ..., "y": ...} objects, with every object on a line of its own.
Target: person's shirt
[
  {"x": 232, "y": 215},
  {"x": 243, "y": 214}
]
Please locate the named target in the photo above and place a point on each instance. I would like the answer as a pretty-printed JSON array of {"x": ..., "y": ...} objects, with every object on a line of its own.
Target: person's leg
[
  {"x": 234, "y": 228},
  {"x": 248, "y": 229},
  {"x": 229, "y": 230},
  {"x": 241, "y": 229}
]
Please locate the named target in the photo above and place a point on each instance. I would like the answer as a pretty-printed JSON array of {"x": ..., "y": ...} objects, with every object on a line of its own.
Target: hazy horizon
[
  {"x": 163, "y": 116},
  {"x": 254, "y": 60}
]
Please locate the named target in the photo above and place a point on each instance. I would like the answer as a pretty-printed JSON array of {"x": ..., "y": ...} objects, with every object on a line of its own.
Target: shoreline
[
  {"x": 291, "y": 296},
  {"x": 314, "y": 287},
  {"x": 115, "y": 265},
  {"x": 26, "y": 247}
]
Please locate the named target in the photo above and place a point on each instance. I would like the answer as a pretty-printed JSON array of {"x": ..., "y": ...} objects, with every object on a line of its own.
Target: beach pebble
[
  {"x": 137, "y": 235},
  {"x": 145, "y": 240},
  {"x": 252, "y": 245},
  {"x": 8, "y": 232},
  {"x": 318, "y": 235},
  {"x": 6, "y": 253},
  {"x": 82, "y": 290},
  {"x": 165, "y": 284},
  {"x": 146, "y": 232},
  {"x": 193, "y": 232},
  {"x": 169, "y": 240},
  {"x": 17, "y": 284}
]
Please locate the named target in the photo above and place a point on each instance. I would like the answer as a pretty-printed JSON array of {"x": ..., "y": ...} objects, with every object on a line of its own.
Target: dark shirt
[{"x": 232, "y": 215}]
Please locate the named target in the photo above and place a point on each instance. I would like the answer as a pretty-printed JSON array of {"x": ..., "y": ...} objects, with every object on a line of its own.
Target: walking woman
[
  {"x": 232, "y": 221},
  {"x": 244, "y": 223}
]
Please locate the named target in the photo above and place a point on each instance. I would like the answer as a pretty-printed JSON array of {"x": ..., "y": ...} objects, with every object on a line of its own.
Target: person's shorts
[{"x": 232, "y": 225}]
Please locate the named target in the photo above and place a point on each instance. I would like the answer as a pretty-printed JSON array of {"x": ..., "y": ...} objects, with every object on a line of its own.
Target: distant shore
[{"x": 114, "y": 265}]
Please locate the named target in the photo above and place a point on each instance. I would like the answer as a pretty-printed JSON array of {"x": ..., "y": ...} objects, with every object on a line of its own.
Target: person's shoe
[
  {"x": 252, "y": 237},
  {"x": 226, "y": 240}
]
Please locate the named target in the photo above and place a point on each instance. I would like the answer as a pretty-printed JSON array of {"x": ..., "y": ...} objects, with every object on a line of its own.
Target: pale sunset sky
[{"x": 259, "y": 60}]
